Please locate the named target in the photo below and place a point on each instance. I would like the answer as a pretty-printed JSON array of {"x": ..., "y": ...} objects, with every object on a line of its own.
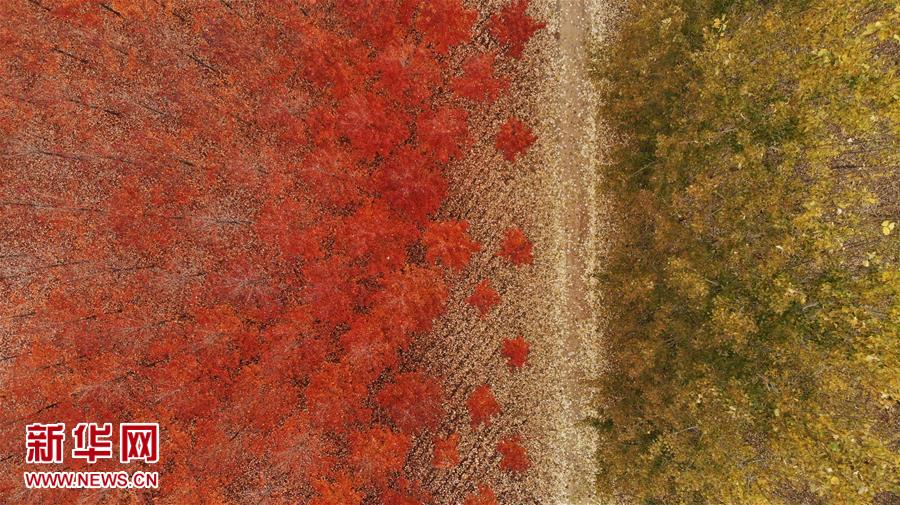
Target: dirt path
[{"x": 578, "y": 235}]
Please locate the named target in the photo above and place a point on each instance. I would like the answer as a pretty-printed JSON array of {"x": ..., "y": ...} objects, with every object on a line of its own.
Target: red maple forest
[{"x": 220, "y": 218}]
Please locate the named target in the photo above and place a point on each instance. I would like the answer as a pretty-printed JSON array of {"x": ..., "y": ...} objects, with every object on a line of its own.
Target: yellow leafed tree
[{"x": 754, "y": 345}]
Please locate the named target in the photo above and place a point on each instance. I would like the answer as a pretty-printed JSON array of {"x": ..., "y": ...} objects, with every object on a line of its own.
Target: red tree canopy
[
  {"x": 404, "y": 492},
  {"x": 336, "y": 395},
  {"x": 407, "y": 74},
  {"x": 477, "y": 82},
  {"x": 448, "y": 242},
  {"x": 413, "y": 402},
  {"x": 512, "y": 28},
  {"x": 484, "y": 496},
  {"x": 410, "y": 300},
  {"x": 376, "y": 455},
  {"x": 411, "y": 184},
  {"x": 482, "y": 405},
  {"x": 484, "y": 297},
  {"x": 446, "y": 451},
  {"x": 445, "y": 23},
  {"x": 516, "y": 351},
  {"x": 372, "y": 124},
  {"x": 514, "y": 138},
  {"x": 338, "y": 492},
  {"x": 515, "y": 459},
  {"x": 215, "y": 223},
  {"x": 443, "y": 133},
  {"x": 516, "y": 247},
  {"x": 379, "y": 22}
]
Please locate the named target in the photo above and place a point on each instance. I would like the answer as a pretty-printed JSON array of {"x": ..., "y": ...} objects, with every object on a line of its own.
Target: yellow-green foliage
[{"x": 755, "y": 286}]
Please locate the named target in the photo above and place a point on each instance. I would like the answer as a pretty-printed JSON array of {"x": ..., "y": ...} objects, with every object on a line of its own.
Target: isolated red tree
[
  {"x": 512, "y": 27},
  {"x": 482, "y": 405},
  {"x": 516, "y": 351},
  {"x": 513, "y": 138},
  {"x": 484, "y": 496},
  {"x": 514, "y": 457},
  {"x": 484, "y": 297},
  {"x": 516, "y": 247},
  {"x": 446, "y": 452}
]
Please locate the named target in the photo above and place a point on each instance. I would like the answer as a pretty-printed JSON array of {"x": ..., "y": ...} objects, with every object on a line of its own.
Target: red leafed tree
[
  {"x": 516, "y": 351},
  {"x": 379, "y": 22},
  {"x": 413, "y": 402},
  {"x": 484, "y": 297},
  {"x": 338, "y": 492},
  {"x": 513, "y": 138},
  {"x": 484, "y": 496},
  {"x": 445, "y": 23},
  {"x": 368, "y": 350},
  {"x": 477, "y": 82},
  {"x": 516, "y": 247},
  {"x": 377, "y": 454},
  {"x": 443, "y": 133},
  {"x": 448, "y": 242},
  {"x": 407, "y": 74},
  {"x": 410, "y": 300},
  {"x": 299, "y": 448},
  {"x": 336, "y": 395},
  {"x": 514, "y": 457},
  {"x": 331, "y": 288},
  {"x": 373, "y": 236},
  {"x": 446, "y": 451},
  {"x": 262, "y": 398},
  {"x": 213, "y": 218},
  {"x": 482, "y": 405},
  {"x": 332, "y": 178},
  {"x": 371, "y": 124},
  {"x": 512, "y": 27},
  {"x": 411, "y": 184},
  {"x": 405, "y": 492},
  {"x": 288, "y": 226}
]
